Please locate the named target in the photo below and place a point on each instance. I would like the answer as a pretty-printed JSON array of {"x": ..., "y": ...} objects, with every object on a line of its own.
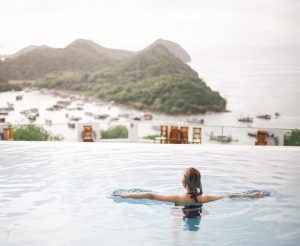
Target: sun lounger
[
  {"x": 174, "y": 135},
  {"x": 261, "y": 138},
  {"x": 196, "y": 135},
  {"x": 87, "y": 133},
  {"x": 184, "y": 135},
  {"x": 8, "y": 134},
  {"x": 163, "y": 138}
]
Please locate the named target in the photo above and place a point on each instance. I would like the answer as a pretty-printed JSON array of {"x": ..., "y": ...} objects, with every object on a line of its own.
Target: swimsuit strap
[{"x": 193, "y": 196}]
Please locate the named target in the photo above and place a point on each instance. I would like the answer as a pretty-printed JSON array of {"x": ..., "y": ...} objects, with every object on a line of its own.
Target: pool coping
[{"x": 165, "y": 146}]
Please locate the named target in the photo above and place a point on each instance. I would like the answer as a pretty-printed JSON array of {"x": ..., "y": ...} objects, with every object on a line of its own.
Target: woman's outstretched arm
[
  {"x": 178, "y": 199},
  {"x": 210, "y": 198},
  {"x": 153, "y": 196}
]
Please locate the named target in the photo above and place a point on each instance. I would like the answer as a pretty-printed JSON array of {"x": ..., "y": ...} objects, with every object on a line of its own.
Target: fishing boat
[
  {"x": 50, "y": 109},
  {"x": 114, "y": 118},
  {"x": 148, "y": 117},
  {"x": 124, "y": 115},
  {"x": 88, "y": 113},
  {"x": 137, "y": 118},
  {"x": 75, "y": 118},
  {"x": 264, "y": 116},
  {"x": 63, "y": 102},
  {"x": 58, "y": 106},
  {"x": 10, "y": 106},
  {"x": 101, "y": 116},
  {"x": 31, "y": 112},
  {"x": 71, "y": 125},
  {"x": 246, "y": 119},
  {"x": 220, "y": 138},
  {"x": 31, "y": 117},
  {"x": 195, "y": 120},
  {"x": 48, "y": 122},
  {"x": 19, "y": 97},
  {"x": 4, "y": 111},
  {"x": 252, "y": 134}
]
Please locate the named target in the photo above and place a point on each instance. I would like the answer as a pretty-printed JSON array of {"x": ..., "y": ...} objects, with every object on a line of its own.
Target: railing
[{"x": 138, "y": 130}]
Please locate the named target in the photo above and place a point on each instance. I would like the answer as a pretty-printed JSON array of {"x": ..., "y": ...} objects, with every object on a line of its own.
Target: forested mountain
[
  {"x": 153, "y": 79},
  {"x": 34, "y": 62}
]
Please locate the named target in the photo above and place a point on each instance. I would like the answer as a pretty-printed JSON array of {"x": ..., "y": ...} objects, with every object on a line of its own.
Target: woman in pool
[{"x": 192, "y": 183}]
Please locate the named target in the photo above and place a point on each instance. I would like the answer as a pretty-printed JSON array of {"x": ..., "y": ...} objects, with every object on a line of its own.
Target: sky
[{"x": 134, "y": 24}]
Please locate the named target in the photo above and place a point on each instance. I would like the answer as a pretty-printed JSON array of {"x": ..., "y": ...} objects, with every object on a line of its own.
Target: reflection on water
[{"x": 191, "y": 218}]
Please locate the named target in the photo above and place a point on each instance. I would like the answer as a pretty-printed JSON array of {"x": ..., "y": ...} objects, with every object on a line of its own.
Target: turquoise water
[{"x": 60, "y": 194}]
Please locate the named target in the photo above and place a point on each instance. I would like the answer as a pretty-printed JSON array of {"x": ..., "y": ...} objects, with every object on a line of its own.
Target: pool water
[{"x": 54, "y": 193}]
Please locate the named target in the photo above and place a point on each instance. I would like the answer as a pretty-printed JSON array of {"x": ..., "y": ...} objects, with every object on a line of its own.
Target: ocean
[{"x": 254, "y": 80}]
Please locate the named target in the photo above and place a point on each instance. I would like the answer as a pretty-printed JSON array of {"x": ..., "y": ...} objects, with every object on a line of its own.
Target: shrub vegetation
[
  {"x": 292, "y": 138},
  {"x": 5, "y": 86},
  {"x": 33, "y": 133},
  {"x": 115, "y": 132}
]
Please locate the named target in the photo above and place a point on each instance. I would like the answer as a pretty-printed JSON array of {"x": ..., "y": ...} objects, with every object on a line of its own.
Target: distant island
[{"x": 156, "y": 78}]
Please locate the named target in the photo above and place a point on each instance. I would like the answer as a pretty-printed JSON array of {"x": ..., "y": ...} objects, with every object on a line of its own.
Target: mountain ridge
[
  {"x": 35, "y": 61},
  {"x": 154, "y": 79}
]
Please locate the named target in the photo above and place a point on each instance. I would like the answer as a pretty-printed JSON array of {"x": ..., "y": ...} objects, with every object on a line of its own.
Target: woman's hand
[
  {"x": 121, "y": 195},
  {"x": 253, "y": 195},
  {"x": 256, "y": 195}
]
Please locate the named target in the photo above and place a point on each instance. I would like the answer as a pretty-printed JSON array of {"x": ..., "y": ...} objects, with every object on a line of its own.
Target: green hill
[
  {"x": 40, "y": 62},
  {"x": 34, "y": 62},
  {"x": 154, "y": 79},
  {"x": 81, "y": 55}
]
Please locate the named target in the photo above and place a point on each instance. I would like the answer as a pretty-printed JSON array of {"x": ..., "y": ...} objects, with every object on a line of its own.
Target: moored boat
[
  {"x": 114, "y": 118},
  {"x": 264, "y": 116},
  {"x": 101, "y": 116},
  {"x": 148, "y": 117},
  {"x": 124, "y": 115},
  {"x": 88, "y": 113},
  {"x": 4, "y": 111},
  {"x": 75, "y": 118},
  {"x": 195, "y": 120},
  {"x": 19, "y": 97},
  {"x": 137, "y": 118},
  {"x": 220, "y": 138},
  {"x": 71, "y": 125},
  {"x": 31, "y": 117},
  {"x": 246, "y": 119},
  {"x": 48, "y": 122},
  {"x": 10, "y": 106}
]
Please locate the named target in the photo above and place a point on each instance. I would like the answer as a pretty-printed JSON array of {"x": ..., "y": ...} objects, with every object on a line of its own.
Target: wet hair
[{"x": 193, "y": 182}]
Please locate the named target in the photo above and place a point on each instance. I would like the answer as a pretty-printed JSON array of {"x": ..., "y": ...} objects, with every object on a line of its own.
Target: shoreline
[{"x": 92, "y": 98}]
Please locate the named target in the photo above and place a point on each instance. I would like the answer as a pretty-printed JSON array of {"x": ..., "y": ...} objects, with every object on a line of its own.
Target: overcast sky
[{"x": 133, "y": 24}]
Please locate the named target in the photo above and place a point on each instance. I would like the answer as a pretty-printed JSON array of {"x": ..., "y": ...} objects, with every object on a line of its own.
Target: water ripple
[{"x": 68, "y": 186}]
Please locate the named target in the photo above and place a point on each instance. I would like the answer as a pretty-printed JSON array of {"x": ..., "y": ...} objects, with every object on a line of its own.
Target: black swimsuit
[
  {"x": 191, "y": 210},
  {"x": 193, "y": 196}
]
